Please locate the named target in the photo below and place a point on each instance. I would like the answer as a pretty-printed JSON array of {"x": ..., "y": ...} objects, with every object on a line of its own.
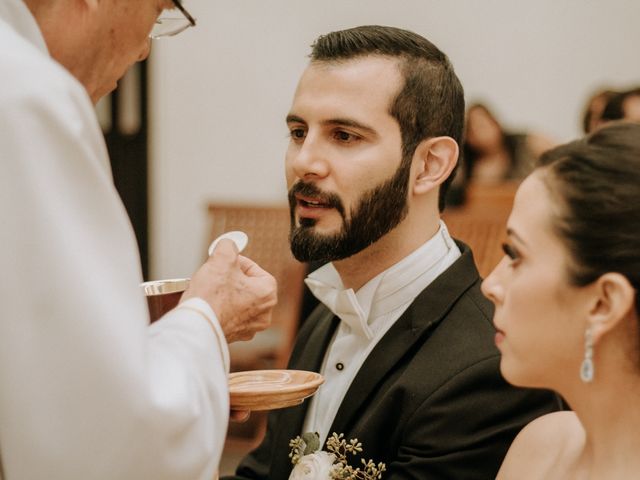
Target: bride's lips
[{"x": 499, "y": 337}]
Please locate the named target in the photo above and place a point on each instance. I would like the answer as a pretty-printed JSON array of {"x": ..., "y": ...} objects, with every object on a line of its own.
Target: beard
[{"x": 376, "y": 213}]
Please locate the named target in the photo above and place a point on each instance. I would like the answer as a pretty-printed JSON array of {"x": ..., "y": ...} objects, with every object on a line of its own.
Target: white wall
[{"x": 220, "y": 92}]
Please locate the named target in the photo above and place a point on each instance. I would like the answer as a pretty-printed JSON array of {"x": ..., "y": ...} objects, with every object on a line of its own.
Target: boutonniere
[{"x": 311, "y": 463}]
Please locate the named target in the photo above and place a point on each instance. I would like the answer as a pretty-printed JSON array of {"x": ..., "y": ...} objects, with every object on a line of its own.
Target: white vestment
[{"x": 88, "y": 390}]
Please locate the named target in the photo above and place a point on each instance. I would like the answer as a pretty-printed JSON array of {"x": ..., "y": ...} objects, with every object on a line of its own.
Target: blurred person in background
[
  {"x": 592, "y": 115},
  {"x": 623, "y": 106},
  {"x": 493, "y": 155},
  {"x": 568, "y": 304},
  {"x": 88, "y": 390}
]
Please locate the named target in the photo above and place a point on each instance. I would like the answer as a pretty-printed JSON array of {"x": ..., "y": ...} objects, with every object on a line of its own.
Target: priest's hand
[
  {"x": 239, "y": 416},
  {"x": 241, "y": 294}
]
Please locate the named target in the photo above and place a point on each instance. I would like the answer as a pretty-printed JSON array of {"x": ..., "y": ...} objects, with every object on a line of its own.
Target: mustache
[{"x": 307, "y": 189}]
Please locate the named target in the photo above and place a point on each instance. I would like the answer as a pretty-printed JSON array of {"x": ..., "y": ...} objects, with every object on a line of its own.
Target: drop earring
[{"x": 587, "y": 369}]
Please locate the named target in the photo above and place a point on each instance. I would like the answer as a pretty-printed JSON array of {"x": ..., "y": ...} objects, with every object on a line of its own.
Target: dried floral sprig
[
  {"x": 305, "y": 445},
  {"x": 340, "y": 449}
]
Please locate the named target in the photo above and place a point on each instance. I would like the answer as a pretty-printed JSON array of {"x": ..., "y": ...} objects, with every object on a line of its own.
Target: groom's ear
[{"x": 435, "y": 158}]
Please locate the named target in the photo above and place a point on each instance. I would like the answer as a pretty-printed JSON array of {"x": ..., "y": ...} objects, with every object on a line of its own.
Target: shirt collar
[{"x": 389, "y": 290}]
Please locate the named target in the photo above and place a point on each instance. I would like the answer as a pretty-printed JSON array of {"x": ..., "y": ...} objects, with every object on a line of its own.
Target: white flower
[
  {"x": 315, "y": 466},
  {"x": 321, "y": 465}
]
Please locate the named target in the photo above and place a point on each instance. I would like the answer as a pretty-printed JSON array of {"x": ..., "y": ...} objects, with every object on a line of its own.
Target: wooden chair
[
  {"x": 268, "y": 231},
  {"x": 481, "y": 222}
]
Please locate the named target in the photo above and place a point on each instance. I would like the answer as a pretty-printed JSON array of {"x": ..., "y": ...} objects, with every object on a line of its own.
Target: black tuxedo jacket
[{"x": 429, "y": 401}]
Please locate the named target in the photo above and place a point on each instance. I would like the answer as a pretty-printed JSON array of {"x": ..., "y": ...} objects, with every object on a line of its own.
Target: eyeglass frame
[
  {"x": 191, "y": 22},
  {"x": 183, "y": 10}
]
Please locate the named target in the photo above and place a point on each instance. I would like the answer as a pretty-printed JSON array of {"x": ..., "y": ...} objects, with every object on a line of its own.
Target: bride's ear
[
  {"x": 435, "y": 158},
  {"x": 613, "y": 301}
]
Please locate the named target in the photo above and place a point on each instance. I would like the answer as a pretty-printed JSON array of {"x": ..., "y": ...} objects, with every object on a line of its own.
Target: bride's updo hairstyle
[{"x": 595, "y": 186}]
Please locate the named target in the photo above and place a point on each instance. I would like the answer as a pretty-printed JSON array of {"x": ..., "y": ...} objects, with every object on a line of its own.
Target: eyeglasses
[{"x": 172, "y": 23}]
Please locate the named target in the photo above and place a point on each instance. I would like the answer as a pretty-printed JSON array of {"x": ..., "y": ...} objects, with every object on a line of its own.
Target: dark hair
[
  {"x": 614, "y": 109},
  {"x": 597, "y": 184},
  {"x": 431, "y": 101},
  {"x": 470, "y": 152},
  {"x": 483, "y": 106},
  {"x": 604, "y": 96}
]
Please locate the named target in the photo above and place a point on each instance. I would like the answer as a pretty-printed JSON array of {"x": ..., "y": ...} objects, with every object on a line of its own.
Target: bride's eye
[{"x": 511, "y": 252}]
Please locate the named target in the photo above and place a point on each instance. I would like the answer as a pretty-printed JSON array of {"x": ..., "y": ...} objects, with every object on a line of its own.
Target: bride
[{"x": 567, "y": 308}]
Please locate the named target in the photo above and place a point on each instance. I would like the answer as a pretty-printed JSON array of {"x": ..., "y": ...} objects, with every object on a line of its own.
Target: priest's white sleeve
[{"x": 88, "y": 391}]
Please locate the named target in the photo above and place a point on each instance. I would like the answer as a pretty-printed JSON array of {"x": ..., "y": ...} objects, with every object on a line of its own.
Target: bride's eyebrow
[{"x": 512, "y": 234}]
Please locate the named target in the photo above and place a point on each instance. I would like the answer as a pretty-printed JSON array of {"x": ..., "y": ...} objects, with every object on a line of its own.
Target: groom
[{"x": 403, "y": 336}]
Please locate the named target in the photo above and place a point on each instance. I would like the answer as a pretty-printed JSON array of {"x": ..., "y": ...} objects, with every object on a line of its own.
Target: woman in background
[
  {"x": 492, "y": 155},
  {"x": 567, "y": 303},
  {"x": 623, "y": 106},
  {"x": 592, "y": 115}
]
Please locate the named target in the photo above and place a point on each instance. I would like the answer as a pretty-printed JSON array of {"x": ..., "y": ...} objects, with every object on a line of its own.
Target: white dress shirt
[
  {"x": 366, "y": 315},
  {"x": 88, "y": 391}
]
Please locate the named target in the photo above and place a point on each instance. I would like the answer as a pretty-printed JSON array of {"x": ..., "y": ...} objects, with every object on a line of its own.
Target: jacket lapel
[
  {"x": 308, "y": 354},
  {"x": 313, "y": 340},
  {"x": 409, "y": 330}
]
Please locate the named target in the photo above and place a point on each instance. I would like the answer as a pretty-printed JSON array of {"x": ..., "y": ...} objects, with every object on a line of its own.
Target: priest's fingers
[
  {"x": 239, "y": 416},
  {"x": 241, "y": 294}
]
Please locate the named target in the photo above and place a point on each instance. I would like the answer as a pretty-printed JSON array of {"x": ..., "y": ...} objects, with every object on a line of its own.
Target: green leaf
[{"x": 312, "y": 442}]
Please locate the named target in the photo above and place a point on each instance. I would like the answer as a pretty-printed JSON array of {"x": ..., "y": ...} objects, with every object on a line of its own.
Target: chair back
[
  {"x": 268, "y": 230},
  {"x": 481, "y": 222}
]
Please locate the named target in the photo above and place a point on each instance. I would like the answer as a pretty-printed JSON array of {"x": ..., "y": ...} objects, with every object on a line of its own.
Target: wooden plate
[{"x": 271, "y": 389}]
